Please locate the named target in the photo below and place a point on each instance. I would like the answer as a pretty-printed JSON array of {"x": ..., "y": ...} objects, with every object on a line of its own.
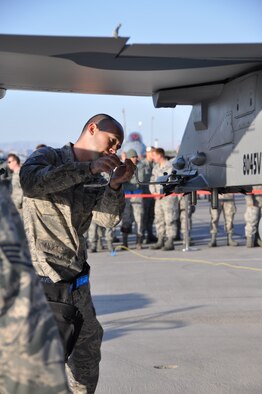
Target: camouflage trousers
[
  {"x": 96, "y": 232},
  {"x": 229, "y": 209},
  {"x": 182, "y": 215},
  {"x": 253, "y": 214},
  {"x": 82, "y": 367},
  {"x": 166, "y": 215},
  {"x": 133, "y": 212}
]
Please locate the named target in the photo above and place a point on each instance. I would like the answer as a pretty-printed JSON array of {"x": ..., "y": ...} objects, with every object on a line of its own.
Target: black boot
[
  {"x": 159, "y": 244},
  {"x": 93, "y": 248},
  {"x": 231, "y": 241},
  {"x": 250, "y": 243},
  {"x": 125, "y": 240},
  {"x": 139, "y": 242},
  {"x": 169, "y": 244},
  {"x": 213, "y": 241},
  {"x": 99, "y": 245},
  {"x": 151, "y": 238}
]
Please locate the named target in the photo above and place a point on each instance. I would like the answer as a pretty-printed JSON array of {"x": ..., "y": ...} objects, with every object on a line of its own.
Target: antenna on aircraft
[{"x": 116, "y": 31}]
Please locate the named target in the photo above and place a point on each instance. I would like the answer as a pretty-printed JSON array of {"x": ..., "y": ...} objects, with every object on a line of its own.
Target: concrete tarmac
[{"x": 181, "y": 322}]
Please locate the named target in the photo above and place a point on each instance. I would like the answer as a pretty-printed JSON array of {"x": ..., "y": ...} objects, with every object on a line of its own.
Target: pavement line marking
[{"x": 196, "y": 261}]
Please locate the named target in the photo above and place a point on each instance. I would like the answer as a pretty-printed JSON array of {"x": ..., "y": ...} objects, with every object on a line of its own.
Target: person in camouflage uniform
[
  {"x": 166, "y": 208},
  {"x": 95, "y": 238},
  {"x": 252, "y": 216},
  {"x": 31, "y": 352},
  {"x": 63, "y": 191},
  {"x": 14, "y": 165},
  {"x": 134, "y": 206},
  {"x": 226, "y": 204},
  {"x": 181, "y": 222},
  {"x": 148, "y": 203}
]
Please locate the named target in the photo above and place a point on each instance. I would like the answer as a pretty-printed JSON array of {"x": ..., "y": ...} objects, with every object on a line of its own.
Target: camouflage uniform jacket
[
  {"x": 58, "y": 209},
  {"x": 157, "y": 172},
  {"x": 32, "y": 357},
  {"x": 17, "y": 192},
  {"x": 132, "y": 187},
  {"x": 148, "y": 168}
]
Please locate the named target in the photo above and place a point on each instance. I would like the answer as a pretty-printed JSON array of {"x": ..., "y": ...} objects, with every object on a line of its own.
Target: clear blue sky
[{"x": 58, "y": 118}]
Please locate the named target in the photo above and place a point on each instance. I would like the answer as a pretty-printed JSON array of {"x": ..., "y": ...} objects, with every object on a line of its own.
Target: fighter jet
[{"x": 221, "y": 147}]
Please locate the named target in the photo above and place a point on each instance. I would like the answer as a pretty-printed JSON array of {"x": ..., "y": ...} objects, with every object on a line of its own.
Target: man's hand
[
  {"x": 122, "y": 173},
  {"x": 105, "y": 163}
]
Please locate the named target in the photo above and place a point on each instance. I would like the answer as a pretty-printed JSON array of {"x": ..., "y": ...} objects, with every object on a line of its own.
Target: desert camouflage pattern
[
  {"x": 133, "y": 213},
  {"x": 226, "y": 204},
  {"x": 166, "y": 208},
  {"x": 182, "y": 215},
  {"x": 147, "y": 172},
  {"x": 96, "y": 234},
  {"x": 17, "y": 192},
  {"x": 134, "y": 209},
  {"x": 58, "y": 207},
  {"x": 31, "y": 354},
  {"x": 157, "y": 172},
  {"x": 253, "y": 212}
]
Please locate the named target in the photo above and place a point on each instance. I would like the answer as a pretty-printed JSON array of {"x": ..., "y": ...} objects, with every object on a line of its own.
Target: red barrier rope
[{"x": 199, "y": 193}]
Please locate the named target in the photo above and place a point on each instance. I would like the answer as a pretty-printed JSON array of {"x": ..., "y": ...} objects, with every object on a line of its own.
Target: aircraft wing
[{"x": 105, "y": 65}]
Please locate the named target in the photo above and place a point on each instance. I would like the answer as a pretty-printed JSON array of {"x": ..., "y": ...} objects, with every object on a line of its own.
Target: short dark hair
[
  {"x": 160, "y": 151},
  {"x": 103, "y": 122},
  {"x": 40, "y": 146},
  {"x": 14, "y": 156}
]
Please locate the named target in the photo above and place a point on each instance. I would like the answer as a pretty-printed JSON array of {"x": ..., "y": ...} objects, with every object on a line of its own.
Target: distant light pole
[
  {"x": 140, "y": 125},
  {"x": 172, "y": 129},
  {"x": 124, "y": 119},
  {"x": 152, "y": 131}
]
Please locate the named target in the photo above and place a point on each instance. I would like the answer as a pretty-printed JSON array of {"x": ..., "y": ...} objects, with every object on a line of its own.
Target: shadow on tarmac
[{"x": 119, "y": 327}]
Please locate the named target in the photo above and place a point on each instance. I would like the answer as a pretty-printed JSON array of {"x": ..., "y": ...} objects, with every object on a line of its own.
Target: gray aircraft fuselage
[{"x": 228, "y": 129}]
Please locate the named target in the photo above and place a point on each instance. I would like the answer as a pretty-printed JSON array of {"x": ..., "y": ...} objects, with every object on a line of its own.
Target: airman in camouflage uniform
[
  {"x": 253, "y": 215},
  {"x": 31, "y": 353},
  {"x": 134, "y": 206},
  {"x": 61, "y": 199},
  {"x": 182, "y": 217},
  {"x": 16, "y": 190},
  {"x": 226, "y": 203},
  {"x": 148, "y": 203},
  {"x": 95, "y": 238},
  {"x": 166, "y": 208}
]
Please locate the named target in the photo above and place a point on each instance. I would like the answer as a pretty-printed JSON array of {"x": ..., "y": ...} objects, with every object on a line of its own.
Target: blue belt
[
  {"x": 72, "y": 285},
  {"x": 78, "y": 282},
  {"x": 138, "y": 191}
]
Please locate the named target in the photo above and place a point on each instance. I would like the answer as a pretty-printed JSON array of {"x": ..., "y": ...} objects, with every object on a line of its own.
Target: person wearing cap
[
  {"x": 133, "y": 212},
  {"x": 166, "y": 208},
  {"x": 148, "y": 203},
  {"x": 64, "y": 190}
]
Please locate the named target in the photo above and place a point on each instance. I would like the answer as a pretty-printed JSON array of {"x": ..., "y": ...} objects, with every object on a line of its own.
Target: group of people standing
[{"x": 146, "y": 207}]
